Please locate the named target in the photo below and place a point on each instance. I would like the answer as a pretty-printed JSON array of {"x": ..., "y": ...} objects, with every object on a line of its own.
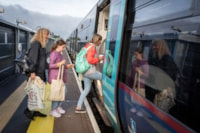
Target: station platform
[{"x": 13, "y": 102}]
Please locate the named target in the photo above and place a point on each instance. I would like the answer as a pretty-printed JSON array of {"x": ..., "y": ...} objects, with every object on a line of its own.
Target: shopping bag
[
  {"x": 81, "y": 63},
  {"x": 165, "y": 99},
  {"x": 136, "y": 85},
  {"x": 57, "y": 92},
  {"x": 47, "y": 103},
  {"x": 34, "y": 97}
]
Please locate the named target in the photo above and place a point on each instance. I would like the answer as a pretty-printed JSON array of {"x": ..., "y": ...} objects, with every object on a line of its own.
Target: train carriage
[
  {"x": 128, "y": 24},
  {"x": 14, "y": 41}
]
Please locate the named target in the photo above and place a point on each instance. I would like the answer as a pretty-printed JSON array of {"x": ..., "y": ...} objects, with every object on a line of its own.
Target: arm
[
  {"x": 34, "y": 55},
  {"x": 52, "y": 61},
  {"x": 90, "y": 56}
]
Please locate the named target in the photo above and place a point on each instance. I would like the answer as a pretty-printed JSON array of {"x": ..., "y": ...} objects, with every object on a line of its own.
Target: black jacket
[
  {"x": 37, "y": 55},
  {"x": 167, "y": 64}
]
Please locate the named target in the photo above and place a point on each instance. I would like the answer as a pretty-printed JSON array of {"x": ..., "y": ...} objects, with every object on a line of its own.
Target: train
[
  {"x": 126, "y": 25},
  {"x": 14, "y": 42}
]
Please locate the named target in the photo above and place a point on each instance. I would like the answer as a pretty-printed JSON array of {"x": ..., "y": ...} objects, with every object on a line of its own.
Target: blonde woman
[
  {"x": 37, "y": 55},
  {"x": 163, "y": 60},
  {"x": 91, "y": 74}
]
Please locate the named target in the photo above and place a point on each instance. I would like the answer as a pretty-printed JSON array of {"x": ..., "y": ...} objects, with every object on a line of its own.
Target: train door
[
  {"x": 102, "y": 29},
  {"x": 110, "y": 68}
]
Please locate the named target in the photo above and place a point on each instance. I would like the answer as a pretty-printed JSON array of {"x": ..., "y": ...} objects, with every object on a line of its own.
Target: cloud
[{"x": 75, "y": 8}]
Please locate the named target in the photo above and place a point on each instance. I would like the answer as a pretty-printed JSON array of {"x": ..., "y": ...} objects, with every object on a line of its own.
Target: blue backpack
[{"x": 81, "y": 63}]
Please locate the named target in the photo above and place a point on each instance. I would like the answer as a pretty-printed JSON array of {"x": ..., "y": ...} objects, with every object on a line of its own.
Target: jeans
[
  {"x": 56, "y": 104},
  {"x": 87, "y": 83}
]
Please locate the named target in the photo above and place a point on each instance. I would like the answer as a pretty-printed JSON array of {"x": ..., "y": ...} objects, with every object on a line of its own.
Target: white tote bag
[
  {"x": 57, "y": 92},
  {"x": 33, "y": 91}
]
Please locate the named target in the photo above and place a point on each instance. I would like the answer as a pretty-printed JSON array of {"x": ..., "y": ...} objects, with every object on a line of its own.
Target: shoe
[
  {"x": 54, "y": 113},
  {"x": 28, "y": 114},
  {"x": 80, "y": 111},
  {"x": 36, "y": 113},
  {"x": 60, "y": 110}
]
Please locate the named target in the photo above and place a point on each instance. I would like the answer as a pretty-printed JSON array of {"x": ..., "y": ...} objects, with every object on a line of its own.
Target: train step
[{"x": 101, "y": 111}]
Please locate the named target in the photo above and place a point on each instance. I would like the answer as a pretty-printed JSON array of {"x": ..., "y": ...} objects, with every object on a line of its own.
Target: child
[{"x": 56, "y": 59}]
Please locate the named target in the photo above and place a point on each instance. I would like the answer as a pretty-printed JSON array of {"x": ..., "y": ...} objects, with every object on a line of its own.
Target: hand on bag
[
  {"x": 63, "y": 62},
  {"x": 138, "y": 70},
  {"x": 33, "y": 75},
  {"x": 70, "y": 66}
]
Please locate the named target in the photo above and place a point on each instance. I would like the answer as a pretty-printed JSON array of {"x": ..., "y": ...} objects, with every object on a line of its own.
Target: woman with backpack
[{"x": 90, "y": 74}]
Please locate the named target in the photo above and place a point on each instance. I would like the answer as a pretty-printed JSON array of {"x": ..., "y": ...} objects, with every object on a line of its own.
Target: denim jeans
[
  {"x": 56, "y": 104},
  {"x": 87, "y": 84}
]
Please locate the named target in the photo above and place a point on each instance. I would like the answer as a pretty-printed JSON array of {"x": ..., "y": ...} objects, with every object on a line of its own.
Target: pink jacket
[{"x": 54, "y": 58}]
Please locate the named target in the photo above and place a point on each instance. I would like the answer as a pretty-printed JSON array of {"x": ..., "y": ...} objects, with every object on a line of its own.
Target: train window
[
  {"x": 113, "y": 39},
  {"x": 178, "y": 8},
  {"x": 2, "y": 37},
  {"x": 178, "y": 73}
]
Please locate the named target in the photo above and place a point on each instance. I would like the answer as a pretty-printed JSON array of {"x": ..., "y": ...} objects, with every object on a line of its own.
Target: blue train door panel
[{"x": 110, "y": 68}]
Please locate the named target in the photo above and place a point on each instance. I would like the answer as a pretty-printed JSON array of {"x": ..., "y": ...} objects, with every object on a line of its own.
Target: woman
[
  {"x": 37, "y": 55},
  {"x": 139, "y": 68},
  {"x": 91, "y": 74},
  {"x": 162, "y": 59},
  {"x": 55, "y": 61}
]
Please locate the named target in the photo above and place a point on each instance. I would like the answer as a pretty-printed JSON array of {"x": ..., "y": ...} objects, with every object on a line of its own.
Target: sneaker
[
  {"x": 60, "y": 110},
  {"x": 54, "y": 113},
  {"x": 80, "y": 111}
]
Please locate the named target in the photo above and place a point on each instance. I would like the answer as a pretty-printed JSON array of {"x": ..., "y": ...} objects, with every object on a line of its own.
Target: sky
[{"x": 75, "y": 8}]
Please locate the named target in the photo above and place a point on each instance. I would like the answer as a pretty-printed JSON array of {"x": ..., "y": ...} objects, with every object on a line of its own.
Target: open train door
[
  {"x": 102, "y": 29},
  {"x": 112, "y": 57}
]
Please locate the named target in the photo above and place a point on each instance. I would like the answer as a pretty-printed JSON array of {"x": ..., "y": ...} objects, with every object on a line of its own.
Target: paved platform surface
[{"x": 14, "y": 102}]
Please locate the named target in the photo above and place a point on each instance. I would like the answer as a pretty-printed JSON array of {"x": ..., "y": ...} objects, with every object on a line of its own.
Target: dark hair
[
  {"x": 139, "y": 50},
  {"x": 59, "y": 42}
]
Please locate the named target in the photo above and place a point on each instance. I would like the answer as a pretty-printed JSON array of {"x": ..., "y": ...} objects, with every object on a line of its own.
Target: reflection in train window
[
  {"x": 185, "y": 84},
  {"x": 113, "y": 40}
]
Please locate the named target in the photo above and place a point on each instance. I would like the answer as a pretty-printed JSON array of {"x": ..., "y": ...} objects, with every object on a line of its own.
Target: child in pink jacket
[{"x": 56, "y": 59}]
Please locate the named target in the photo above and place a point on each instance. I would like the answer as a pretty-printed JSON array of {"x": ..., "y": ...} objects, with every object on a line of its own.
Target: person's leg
[
  {"x": 59, "y": 109},
  {"x": 54, "y": 111},
  {"x": 87, "y": 84},
  {"x": 54, "y": 105},
  {"x": 96, "y": 75}
]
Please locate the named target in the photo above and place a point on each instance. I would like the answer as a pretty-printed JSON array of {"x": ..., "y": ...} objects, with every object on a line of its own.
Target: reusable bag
[
  {"x": 109, "y": 67},
  {"x": 165, "y": 99},
  {"x": 81, "y": 63},
  {"x": 57, "y": 92},
  {"x": 47, "y": 103},
  {"x": 136, "y": 85},
  {"x": 35, "y": 94}
]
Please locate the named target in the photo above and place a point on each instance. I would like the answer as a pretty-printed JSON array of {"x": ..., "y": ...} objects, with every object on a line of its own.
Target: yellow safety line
[{"x": 41, "y": 125}]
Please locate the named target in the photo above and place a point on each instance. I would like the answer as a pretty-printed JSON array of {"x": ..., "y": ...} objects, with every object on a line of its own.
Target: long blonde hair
[
  {"x": 40, "y": 36},
  {"x": 162, "y": 48}
]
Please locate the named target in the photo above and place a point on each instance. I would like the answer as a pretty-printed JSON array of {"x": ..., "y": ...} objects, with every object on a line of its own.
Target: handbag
[
  {"x": 57, "y": 92},
  {"x": 81, "y": 63},
  {"x": 136, "y": 85},
  {"x": 33, "y": 90},
  {"x": 47, "y": 103},
  {"x": 165, "y": 99}
]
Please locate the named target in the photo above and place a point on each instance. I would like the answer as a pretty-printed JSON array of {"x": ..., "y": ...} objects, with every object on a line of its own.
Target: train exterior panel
[
  {"x": 14, "y": 41},
  {"x": 127, "y": 25}
]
